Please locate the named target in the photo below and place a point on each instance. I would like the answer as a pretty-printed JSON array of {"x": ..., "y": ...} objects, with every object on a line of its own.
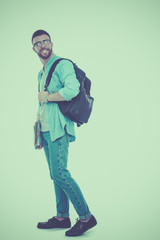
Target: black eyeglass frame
[{"x": 39, "y": 43}]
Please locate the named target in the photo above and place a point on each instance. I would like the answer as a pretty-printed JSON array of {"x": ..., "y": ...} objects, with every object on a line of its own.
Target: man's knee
[{"x": 61, "y": 175}]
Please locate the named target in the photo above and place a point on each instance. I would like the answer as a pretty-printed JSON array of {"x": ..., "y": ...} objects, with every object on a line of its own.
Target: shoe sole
[
  {"x": 52, "y": 227},
  {"x": 41, "y": 227}
]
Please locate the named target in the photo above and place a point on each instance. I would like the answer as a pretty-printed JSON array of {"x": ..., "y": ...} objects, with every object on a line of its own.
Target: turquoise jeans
[{"x": 65, "y": 186}]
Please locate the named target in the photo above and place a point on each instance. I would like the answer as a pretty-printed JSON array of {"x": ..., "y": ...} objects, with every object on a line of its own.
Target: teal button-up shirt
[{"x": 63, "y": 81}]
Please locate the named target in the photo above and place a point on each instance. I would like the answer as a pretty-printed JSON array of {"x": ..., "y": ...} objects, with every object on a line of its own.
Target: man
[{"x": 57, "y": 132}]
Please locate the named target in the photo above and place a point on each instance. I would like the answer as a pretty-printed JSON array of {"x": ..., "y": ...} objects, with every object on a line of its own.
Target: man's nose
[{"x": 43, "y": 45}]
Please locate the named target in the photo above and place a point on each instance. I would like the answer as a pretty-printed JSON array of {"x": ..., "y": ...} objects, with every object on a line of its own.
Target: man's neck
[{"x": 44, "y": 61}]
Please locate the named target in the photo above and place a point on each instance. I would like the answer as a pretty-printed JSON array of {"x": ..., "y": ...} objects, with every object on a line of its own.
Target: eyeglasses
[{"x": 39, "y": 44}]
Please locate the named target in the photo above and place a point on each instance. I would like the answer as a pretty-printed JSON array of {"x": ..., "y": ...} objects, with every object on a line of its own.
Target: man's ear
[{"x": 51, "y": 44}]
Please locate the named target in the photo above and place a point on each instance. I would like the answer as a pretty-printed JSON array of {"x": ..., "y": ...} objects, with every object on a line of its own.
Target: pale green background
[{"x": 116, "y": 156}]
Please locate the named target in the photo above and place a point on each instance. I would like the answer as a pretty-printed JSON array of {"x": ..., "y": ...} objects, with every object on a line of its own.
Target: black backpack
[{"x": 79, "y": 108}]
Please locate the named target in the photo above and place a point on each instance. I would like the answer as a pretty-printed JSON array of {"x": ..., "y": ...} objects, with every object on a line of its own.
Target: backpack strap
[{"x": 52, "y": 70}]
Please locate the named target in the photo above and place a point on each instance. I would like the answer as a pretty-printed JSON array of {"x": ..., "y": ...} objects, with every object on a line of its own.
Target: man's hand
[
  {"x": 40, "y": 147},
  {"x": 42, "y": 95}
]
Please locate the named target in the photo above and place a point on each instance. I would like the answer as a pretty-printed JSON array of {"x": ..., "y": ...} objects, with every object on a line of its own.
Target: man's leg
[
  {"x": 58, "y": 151},
  {"x": 62, "y": 201}
]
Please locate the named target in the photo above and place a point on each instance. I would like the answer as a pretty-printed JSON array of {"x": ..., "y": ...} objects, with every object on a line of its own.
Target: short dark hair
[{"x": 39, "y": 33}]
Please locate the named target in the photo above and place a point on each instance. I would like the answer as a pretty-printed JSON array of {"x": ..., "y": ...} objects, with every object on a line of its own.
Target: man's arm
[
  {"x": 38, "y": 117},
  {"x": 67, "y": 75},
  {"x": 53, "y": 97},
  {"x": 70, "y": 83}
]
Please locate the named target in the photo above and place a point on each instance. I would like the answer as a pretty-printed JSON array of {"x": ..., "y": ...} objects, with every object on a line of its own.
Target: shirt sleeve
[{"x": 68, "y": 78}]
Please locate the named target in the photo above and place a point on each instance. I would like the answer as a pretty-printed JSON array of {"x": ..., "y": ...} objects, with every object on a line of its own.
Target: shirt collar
[{"x": 50, "y": 61}]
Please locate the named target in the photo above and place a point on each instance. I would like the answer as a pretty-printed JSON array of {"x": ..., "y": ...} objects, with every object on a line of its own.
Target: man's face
[{"x": 42, "y": 46}]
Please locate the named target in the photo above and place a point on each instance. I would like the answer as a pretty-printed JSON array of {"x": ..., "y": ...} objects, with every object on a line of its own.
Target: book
[{"x": 37, "y": 135}]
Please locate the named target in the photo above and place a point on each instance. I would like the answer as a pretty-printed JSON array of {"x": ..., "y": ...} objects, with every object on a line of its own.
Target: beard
[{"x": 45, "y": 55}]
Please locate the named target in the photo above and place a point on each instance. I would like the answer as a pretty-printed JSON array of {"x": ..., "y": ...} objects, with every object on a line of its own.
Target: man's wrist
[
  {"x": 50, "y": 97},
  {"x": 46, "y": 98}
]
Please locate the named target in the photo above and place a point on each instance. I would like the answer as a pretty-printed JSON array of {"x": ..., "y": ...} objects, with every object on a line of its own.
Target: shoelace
[
  {"x": 51, "y": 219},
  {"x": 76, "y": 226}
]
